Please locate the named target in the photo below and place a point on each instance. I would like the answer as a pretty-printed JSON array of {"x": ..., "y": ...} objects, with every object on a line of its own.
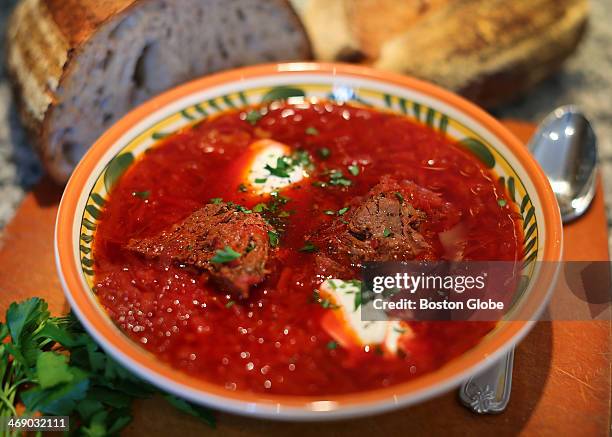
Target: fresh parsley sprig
[{"x": 53, "y": 367}]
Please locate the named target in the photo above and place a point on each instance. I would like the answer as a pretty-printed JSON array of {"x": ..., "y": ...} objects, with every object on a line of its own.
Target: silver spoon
[{"x": 565, "y": 146}]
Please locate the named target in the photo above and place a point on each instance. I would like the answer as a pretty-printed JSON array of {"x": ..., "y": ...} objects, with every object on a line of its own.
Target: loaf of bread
[
  {"x": 79, "y": 65},
  {"x": 491, "y": 51}
]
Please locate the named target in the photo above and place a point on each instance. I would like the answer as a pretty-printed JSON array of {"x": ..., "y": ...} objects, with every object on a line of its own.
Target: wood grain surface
[{"x": 562, "y": 370}]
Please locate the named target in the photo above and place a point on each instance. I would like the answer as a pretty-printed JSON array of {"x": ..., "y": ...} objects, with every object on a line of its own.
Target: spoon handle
[{"x": 489, "y": 392}]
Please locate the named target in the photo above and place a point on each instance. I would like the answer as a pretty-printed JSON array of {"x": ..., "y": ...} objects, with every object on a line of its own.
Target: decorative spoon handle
[{"x": 489, "y": 392}]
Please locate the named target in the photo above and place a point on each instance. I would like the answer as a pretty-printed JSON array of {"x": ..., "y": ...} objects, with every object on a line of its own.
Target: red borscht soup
[{"x": 215, "y": 247}]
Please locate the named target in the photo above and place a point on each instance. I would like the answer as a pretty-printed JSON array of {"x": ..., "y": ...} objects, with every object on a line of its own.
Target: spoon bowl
[{"x": 565, "y": 145}]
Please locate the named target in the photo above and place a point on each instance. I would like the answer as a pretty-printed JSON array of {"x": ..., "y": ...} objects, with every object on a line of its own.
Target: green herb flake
[
  {"x": 399, "y": 196},
  {"x": 309, "y": 247},
  {"x": 261, "y": 180},
  {"x": 324, "y": 152},
  {"x": 328, "y": 304},
  {"x": 332, "y": 345},
  {"x": 225, "y": 255},
  {"x": 386, "y": 232},
  {"x": 311, "y": 131},
  {"x": 253, "y": 116},
  {"x": 329, "y": 212},
  {"x": 353, "y": 169},
  {"x": 336, "y": 177},
  {"x": 343, "y": 210},
  {"x": 273, "y": 237},
  {"x": 216, "y": 200},
  {"x": 282, "y": 169},
  {"x": 141, "y": 194},
  {"x": 229, "y": 304},
  {"x": 357, "y": 301},
  {"x": 260, "y": 207},
  {"x": 502, "y": 202}
]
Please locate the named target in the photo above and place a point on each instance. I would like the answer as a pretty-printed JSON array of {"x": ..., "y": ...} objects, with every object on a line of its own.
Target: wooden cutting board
[{"x": 561, "y": 377}]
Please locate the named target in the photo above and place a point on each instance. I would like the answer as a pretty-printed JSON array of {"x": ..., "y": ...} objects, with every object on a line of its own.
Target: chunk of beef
[
  {"x": 195, "y": 241},
  {"x": 383, "y": 225}
]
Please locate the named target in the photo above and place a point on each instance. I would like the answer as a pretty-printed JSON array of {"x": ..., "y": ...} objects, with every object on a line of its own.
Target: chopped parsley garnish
[
  {"x": 343, "y": 210},
  {"x": 253, "y": 116},
  {"x": 282, "y": 169},
  {"x": 329, "y": 212},
  {"x": 399, "y": 330},
  {"x": 312, "y": 131},
  {"x": 399, "y": 196},
  {"x": 302, "y": 157},
  {"x": 242, "y": 188},
  {"x": 273, "y": 237},
  {"x": 332, "y": 345},
  {"x": 336, "y": 177},
  {"x": 324, "y": 152},
  {"x": 243, "y": 209},
  {"x": 229, "y": 304},
  {"x": 353, "y": 169},
  {"x": 216, "y": 200},
  {"x": 386, "y": 232},
  {"x": 225, "y": 255},
  {"x": 260, "y": 207},
  {"x": 502, "y": 202},
  {"x": 309, "y": 247},
  {"x": 286, "y": 164},
  {"x": 141, "y": 194},
  {"x": 261, "y": 180}
]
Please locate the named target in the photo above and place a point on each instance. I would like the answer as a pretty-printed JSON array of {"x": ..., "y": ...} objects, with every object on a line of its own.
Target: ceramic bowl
[{"x": 117, "y": 149}]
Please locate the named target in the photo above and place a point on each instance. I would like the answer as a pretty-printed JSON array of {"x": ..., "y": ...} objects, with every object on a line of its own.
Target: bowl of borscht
[{"x": 211, "y": 241}]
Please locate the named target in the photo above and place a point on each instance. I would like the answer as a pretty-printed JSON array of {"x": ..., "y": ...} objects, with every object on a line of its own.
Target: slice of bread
[
  {"x": 79, "y": 65},
  {"x": 491, "y": 51}
]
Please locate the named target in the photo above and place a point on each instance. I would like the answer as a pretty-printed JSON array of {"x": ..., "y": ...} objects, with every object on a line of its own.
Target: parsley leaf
[
  {"x": 311, "y": 131},
  {"x": 253, "y": 116},
  {"x": 353, "y": 169},
  {"x": 141, "y": 194},
  {"x": 386, "y": 232},
  {"x": 54, "y": 367},
  {"x": 225, "y": 255},
  {"x": 332, "y": 345},
  {"x": 273, "y": 237},
  {"x": 309, "y": 247},
  {"x": 336, "y": 177},
  {"x": 324, "y": 152}
]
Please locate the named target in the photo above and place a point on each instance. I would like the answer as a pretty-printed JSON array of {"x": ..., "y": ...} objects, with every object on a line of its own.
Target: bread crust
[
  {"x": 45, "y": 37},
  {"x": 491, "y": 51}
]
